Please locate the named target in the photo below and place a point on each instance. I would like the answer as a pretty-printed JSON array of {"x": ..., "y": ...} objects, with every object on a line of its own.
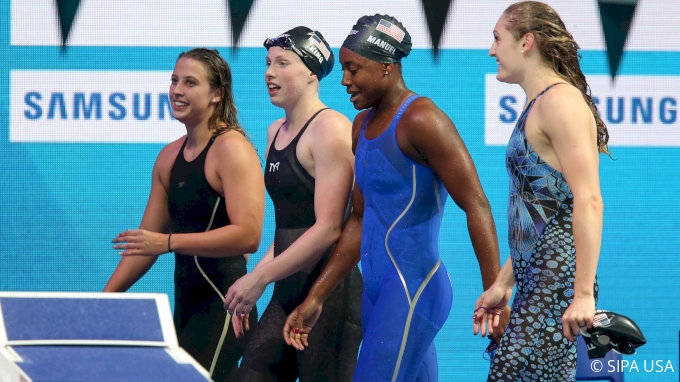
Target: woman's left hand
[
  {"x": 578, "y": 316},
  {"x": 243, "y": 294},
  {"x": 140, "y": 242},
  {"x": 241, "y": 325},
  {"x": 491, "y": 311}
]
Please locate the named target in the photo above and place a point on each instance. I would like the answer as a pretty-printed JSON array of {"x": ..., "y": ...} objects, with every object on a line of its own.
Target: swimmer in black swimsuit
[
  {"x": 206, "y": 205},
  {"x": 308, "y": 175}
]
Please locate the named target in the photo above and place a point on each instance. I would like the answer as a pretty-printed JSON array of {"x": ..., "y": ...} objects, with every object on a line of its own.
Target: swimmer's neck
[
  {"x": 299, "y": 113},
  {"x": 393, "y": 97},
  {"x": 198, "y": 136},
  {"x": 537, "y": 79}
]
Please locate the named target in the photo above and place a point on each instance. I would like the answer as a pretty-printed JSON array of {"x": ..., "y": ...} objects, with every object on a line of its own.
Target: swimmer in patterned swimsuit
[
  {"x": 408, "y": 156},
  {"x": 555, "y": 207}
]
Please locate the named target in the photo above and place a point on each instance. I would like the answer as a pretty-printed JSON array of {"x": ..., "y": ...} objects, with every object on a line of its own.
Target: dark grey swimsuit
[
  {"x": 199, "y": 312},
  {"x": 334, "y": 342}
]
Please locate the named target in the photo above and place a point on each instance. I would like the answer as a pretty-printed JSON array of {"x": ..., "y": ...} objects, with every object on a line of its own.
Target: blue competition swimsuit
[
  {"x": 543, "y": 261},
  {"x": 407, "y": 291}
]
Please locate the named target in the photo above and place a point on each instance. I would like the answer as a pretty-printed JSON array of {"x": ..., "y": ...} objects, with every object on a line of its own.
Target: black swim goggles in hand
[
  {"x": 612, "y": 331},
  {"x": 623, "y": 347}
]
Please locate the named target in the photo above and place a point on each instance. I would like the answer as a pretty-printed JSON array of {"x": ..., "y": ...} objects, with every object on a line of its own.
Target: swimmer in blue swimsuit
[
  {"x": 555, "y": 205},
  {"x": 408, "y": 155}
]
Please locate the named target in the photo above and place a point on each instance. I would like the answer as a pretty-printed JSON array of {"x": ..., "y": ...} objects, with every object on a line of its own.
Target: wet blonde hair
[{"x": 557, "y": 46}]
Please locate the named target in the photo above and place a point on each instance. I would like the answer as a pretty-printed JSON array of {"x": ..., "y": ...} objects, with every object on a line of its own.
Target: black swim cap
[
  {"x": 309, "y": 45},
  {"x": 379, "y": 38}
]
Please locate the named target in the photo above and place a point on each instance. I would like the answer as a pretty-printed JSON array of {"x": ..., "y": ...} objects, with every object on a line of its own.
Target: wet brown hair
[
  {"x": 219, "y": 77},
  {"x": 557, "y": 46}
]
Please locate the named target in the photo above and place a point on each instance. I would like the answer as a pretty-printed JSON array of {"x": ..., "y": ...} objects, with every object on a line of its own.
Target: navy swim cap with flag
[
  {"x": 310, "y": 45},
  {"x": 380, "y": 38}
]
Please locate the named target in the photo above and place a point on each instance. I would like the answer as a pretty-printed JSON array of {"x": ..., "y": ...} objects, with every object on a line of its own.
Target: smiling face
[
  {"x": 287, "y": 77},
  {"x": 508, "y": 53},
  {"x": 193, "y": 101},
  {"x": 363, "y": 79}
]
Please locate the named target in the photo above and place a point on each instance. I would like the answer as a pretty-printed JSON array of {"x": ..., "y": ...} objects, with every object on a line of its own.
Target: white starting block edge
[
  {"x": 181, "y": 356},
  {"x": 9, "y": 359},
  {"x": 162, "y": 304},
  {"x": 9, "y": 370}
]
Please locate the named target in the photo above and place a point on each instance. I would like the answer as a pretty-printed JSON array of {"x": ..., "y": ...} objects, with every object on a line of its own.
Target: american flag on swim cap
[
  {"x": 390, "y": 29},
  {"x": 320, "y": 46},
  {"x": 601, "y": 319}
]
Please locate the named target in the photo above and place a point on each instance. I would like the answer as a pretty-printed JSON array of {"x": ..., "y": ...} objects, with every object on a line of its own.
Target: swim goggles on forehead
[{"x": 283, "y": 41}]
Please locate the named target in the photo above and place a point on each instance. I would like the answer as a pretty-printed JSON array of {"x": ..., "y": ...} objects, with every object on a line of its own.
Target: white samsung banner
[
  {"x": 91, "y": 106},
  {"x": 638, "y": 110},
  {"x": 206, "y": 23},
  {"x": 119, "y": 106}
]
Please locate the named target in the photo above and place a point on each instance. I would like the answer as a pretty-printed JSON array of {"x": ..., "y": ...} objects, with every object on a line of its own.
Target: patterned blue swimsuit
[
  {"x": 543, "y": 260},
  {"x": 407, "y": 291}
]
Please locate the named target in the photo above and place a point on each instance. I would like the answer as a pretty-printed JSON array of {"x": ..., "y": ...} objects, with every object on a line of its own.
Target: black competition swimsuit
[
  {"x": 334, "y": 342},
  {"x": 199, "y": 313}
]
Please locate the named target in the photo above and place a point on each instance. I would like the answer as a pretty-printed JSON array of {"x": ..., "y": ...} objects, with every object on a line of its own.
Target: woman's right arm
[
  {"x": 268, "y": 256},
  {"x": 506, "y": 277},
  {"x": 346, "y": 255},
  {"x": 156, "y": 219}
]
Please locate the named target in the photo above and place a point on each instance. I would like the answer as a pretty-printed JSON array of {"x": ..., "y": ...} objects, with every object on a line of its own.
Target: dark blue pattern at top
[{"x": 536, "y": 191}]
